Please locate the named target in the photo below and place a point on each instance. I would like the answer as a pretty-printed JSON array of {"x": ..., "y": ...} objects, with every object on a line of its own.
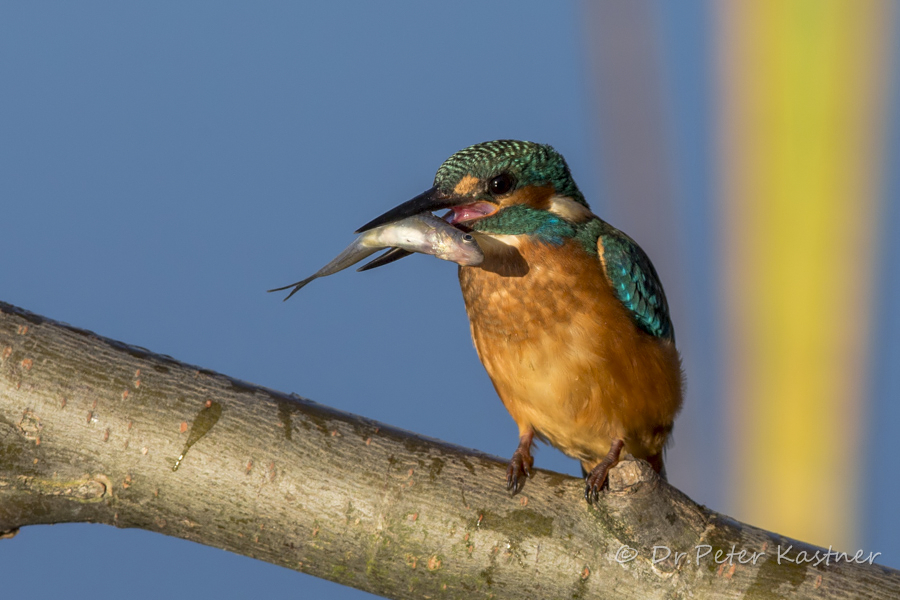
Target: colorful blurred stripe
[
  {"x": 798, "y": 98},
  {"x": 800, "y": 124}
]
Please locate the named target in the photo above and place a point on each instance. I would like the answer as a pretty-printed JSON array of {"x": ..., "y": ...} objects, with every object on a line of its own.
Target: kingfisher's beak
[
  {"x": 428, "y": 201},
  {"x": 387, "y": 258}
]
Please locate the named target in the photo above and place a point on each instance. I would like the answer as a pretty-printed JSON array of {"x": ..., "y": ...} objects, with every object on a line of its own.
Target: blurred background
[{"x": 162, "y": 165}]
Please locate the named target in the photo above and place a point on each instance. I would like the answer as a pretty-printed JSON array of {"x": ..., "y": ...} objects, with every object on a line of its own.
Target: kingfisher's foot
[
  {"x": 519, "y": 470},
  {"x": 520, "y": 465},
  {"x": 597, "y": 477}
]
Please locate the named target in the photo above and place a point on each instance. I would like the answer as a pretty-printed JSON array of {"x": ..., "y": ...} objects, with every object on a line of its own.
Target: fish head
[{"x": 450, "y": 243}]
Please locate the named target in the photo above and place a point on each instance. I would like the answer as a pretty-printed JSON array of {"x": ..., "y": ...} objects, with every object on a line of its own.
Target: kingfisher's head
[{"x": 492, "y": 184}]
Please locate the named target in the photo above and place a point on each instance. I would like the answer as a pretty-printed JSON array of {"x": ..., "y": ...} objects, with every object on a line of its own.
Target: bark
[{"x": 93, "y": 430}]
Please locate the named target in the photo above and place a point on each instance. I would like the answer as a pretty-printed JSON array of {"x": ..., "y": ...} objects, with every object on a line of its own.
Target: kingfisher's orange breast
[{"x": 564, "y": 354}]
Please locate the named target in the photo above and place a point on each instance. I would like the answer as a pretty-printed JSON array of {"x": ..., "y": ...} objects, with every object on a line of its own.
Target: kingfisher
[{"x": 567, "y": 313}]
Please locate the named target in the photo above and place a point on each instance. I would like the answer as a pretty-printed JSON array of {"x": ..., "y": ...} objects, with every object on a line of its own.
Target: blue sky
[{"x": 163, "y": 165}]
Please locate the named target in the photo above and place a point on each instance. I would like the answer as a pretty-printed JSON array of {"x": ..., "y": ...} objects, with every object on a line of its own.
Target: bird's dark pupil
[{"x": 501, "y": 184}]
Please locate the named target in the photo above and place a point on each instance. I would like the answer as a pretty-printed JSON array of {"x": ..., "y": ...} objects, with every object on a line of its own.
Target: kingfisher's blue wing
[{"x": 635, "y": 282}]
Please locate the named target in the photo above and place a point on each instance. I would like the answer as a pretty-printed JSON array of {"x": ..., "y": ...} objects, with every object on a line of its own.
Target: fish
[{"x": 423, "y": 233}]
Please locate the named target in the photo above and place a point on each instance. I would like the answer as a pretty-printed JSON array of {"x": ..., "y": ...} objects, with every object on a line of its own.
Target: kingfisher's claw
[
  {"x": 519, "y": 470},
  {"x": 595, "y": 482},
  {"x": 597, "y": 477}
]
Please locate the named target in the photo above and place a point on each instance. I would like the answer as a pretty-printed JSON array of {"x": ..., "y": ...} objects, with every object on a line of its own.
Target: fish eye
[
  {"x": 501, "y": 184},
  {"x": 468, "y": 238}
]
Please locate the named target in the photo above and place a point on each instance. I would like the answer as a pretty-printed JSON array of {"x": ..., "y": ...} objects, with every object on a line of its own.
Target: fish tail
[{"x": 297, "y": 286}]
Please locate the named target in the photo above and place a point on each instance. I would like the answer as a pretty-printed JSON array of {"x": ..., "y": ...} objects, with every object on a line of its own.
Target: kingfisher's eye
[{"x": 501, "y": 184}]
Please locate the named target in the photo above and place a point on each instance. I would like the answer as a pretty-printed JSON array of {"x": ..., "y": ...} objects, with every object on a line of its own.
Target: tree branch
[{"x": 93, "y": 430}]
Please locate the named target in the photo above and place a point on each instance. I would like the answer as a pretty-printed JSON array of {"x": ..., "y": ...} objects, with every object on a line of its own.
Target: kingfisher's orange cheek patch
[{"x": 466, "y": 185}]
